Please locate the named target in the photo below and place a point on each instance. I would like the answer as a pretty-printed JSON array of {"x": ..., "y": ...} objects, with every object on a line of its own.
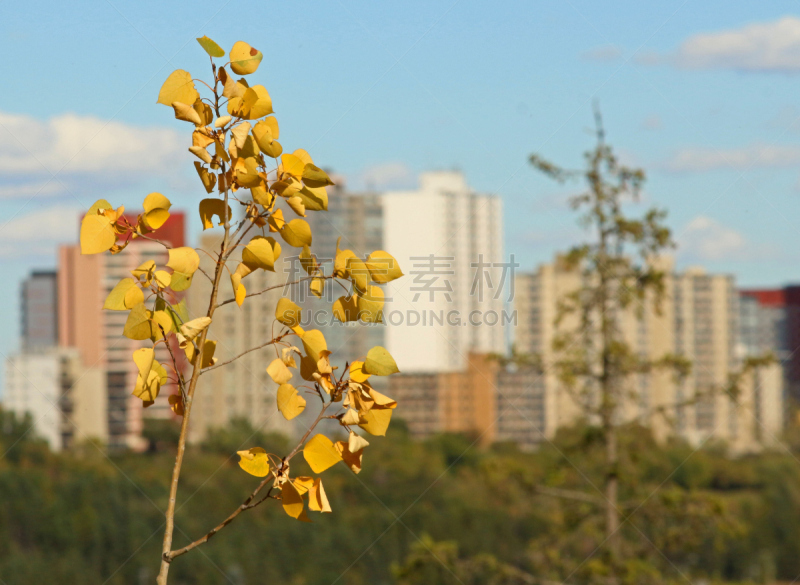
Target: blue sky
[{"x": 702, "y": 94}]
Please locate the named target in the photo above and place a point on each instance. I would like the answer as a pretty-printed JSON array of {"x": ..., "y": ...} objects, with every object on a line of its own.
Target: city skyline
[{"x": 701, "y": 96}]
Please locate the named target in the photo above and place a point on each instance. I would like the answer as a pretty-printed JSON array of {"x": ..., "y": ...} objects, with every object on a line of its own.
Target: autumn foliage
[{"x": 241, "y": 164}]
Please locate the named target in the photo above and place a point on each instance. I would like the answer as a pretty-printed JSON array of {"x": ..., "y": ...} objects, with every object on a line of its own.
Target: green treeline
[{"x": 439, "y": 511}]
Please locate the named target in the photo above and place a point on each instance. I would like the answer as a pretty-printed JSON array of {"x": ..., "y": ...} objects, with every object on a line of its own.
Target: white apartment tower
[{"x": 448, "y": 241}]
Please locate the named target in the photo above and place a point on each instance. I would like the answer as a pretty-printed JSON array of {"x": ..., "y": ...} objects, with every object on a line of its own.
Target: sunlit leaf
[
  {"x": 320, "y": 454},
  {"x": 380, "y": 362},
  {"x": 210, "y": 47},
  {"x": 290, "y": 403},
  {"x": 178, "y": 87},
  {"x": 97, "y": 234},
  {"x": 211, "y": 207},
  {"x": 244, "y": 58},
  {"x": 254, "y": 461}
]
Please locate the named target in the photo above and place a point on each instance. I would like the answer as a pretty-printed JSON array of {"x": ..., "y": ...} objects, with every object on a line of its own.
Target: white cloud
[
  {"x": 698, "y": 159},
  {"x": 603, "y": 54},
  {"x": 705, "y": 238},
  {"x": 83, "y": 144},
  {"x": 38, "y": 232},
  {"x": 771, "y": 46},
  {"x": 36, "y": 189},
  {"x": 390, "y": 175}
]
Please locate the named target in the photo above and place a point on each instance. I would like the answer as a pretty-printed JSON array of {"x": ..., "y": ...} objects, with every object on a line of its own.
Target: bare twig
[{"x": 233, "y": 359}]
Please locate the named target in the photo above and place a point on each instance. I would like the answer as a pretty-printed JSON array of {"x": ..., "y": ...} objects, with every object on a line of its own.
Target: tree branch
[
  {"x": 247, "y": 505},
  {"x": 233, "y": 359}
]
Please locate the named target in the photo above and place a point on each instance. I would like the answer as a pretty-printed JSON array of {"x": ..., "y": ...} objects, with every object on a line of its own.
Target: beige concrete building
[
  {"x": 698, "y": 320},
  {"x": 241, "y": 389},
  {"x": 83, "y": 285},
  {"x": 66, "y": 401},
  {"x": 487, "y": 401}
]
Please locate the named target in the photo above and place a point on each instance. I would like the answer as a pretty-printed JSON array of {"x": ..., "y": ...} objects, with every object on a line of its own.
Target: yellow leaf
[
  {"x": 290, "y": 403},
  {"x": 255, "y": 103},
  {"x": 209, "y": 348},
  {"x": 356, "y": 443},
  {"x": 351, "y": 417},
  {"x": 148, "y": 390},
  {"x": 265, "y": 133},
  {"x": 183, "y": 260},
  {"x": 160, "y": 320},
  {"x": 313, "y": 176},
  {"x": 176, "y": 404},
  {"x": 278, "y": 371},
  {"x": 352, "y": 460},
  {"x": 345, "y": 309},
  {"x": 357, "y": 272},
  {"x": 162, "y": 278},
  {"x": 380, "y": 362},
  {"x": 370, "y": 305},
  {"x": 320, "y": 453},
  {"x": 143, "y": 358},
  {"x": 303, "y": 483},
  {"x": 97, "y": 234},
  {"x": 239, "y": 134},
  {"x": 376, "y": 420},
  {"x": 315, "y": 199},
  {"x": 205, "y": 113},
  {"x": 201, "y": 137},
  {"x": 244, "y": 58},
  {"x": 288, "y": 358},
  {"x": 180, "y": 281},
  {"x": 292, "y": 165},
  {"x": 272, "y": 122},
  {"x": 383, "y": 267},
  {"x": 137, "y": 325},
  {"x": 317, "y": 286},
  {"x": 314, "y": 343},
  {"x": 145, "y": 269},
  {"x": 221, "y": 121},
  {"x": 186, "y": 113},
  {"x": 254, "y": 461},
  {"x": 381, "y": 400},
  {"x": 303, "y": 156},
  {"x": 231, "y": 87},
  {"x": 292, "y": 501},
  {"x": 357, "y": 373},
  {"x": 317, "y": 500},
  {"x": 99, "y": 205},
  {"x": 201, "y": 153},
  {"x": 341, "y": 261},
  {"x": 122, "y": 296},
  {"x": 296, "y": 233},
  {"x": 178, "y": 87},
  {"x": 209, "y": 180},
  {"x": 239, "y": 290},
  {"x": 210, "y": 47},
  {"x": 155, "y": 201},
  {"x": 288, "y": 312},
  {"x": 296, "y": 203},
  {"x": 211, "y": 207},
  {"x": 258, "y": 253},
  {"x": 195, "y": 327}
]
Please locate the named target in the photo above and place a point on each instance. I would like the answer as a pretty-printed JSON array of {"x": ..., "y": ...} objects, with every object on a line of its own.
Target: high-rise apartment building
[
  {"x": 83, "y": 285},
  {"x": 699, "y": 319},
  {"x": 448, "y": 241},
  {"x": 39, "y": 310},
  {"x": 358, "y": 219},
  {"x": 65, "y": 400},
  {"x": 242, "y": 389},
  {"x": 491, "y": 402}
]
